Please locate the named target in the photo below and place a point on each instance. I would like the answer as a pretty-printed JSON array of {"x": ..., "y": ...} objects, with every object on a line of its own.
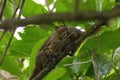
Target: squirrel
[
  {"x": 49, "y": 50},
  {"x": 53, "y": 46}
]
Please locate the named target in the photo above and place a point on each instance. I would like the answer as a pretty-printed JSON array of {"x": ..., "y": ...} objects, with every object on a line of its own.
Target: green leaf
[
  {"x": 105, "y": 42},
  {"x": 103, "y": 64},
  {"x": 9, "y": 9},
  {"x": 78, "y": 63},
  {"x": 33, "y": 34},
  {"x": 86, "y": 78},
  {"x": 116, "y": 57},
  {"x": 11, "y": 65},
  {"x": 4, "y": 42},
  {"x": 21, "y": 48},
  {"x": 65, "y": 61},
  {"x": 50, "y": 1},
  {"x": 24, "y": 75},
  {"x": 66, "y": 76},
  {"x": 64, "y": 6},
  {"x": 114, "y": 76},
  {"x": 89, "y": 5},
  {"x": 105, "y": 4},
  {"x": 55, "y": 74},
  {"x": 30, "y": 37},
  {"x": 90, "y": 71},
  {"x": 33, "y": 37},
  {"x": 34, "y": 53},
  {"x": 31, "y": 8}
]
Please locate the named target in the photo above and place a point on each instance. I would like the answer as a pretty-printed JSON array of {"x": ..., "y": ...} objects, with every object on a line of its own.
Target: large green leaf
[
  {"x": 34, "y": 53},
  {"x": 4, "y": 41},
  {"x": 113, "y": 76},
  {"x": 103, "y": 64},
  {"x": 88, "y": 5},
  {"x": 33, "y": 34},
  {"x": 9, "y": 9},
  {"x": 66, "y": 76},
  {"x": 64, "y": 6},
  {"x": 30, "y": 37},
  {"x": 105, "y": 42},
  {"x": 86, "y": 78},
  {"x": 55, "y": 74},
  {"x": 105, "y": 4},
  {"x": 81, "y": 63},
  {"x": 116, "y": 57},
  {"x": 50, "y": 1},
  {"x": 31, "y": 8},
  {"x": 11, "y": 65},
  {"x": 74, "y": 65},
  {"x": 21, "y": 48}
]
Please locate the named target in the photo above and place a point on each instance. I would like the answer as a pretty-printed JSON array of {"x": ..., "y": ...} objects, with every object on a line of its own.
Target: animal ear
[{"x": 56, "y": 27}]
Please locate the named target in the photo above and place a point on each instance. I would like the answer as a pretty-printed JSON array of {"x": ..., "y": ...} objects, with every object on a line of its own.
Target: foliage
[{"x": 23, "y": 51}]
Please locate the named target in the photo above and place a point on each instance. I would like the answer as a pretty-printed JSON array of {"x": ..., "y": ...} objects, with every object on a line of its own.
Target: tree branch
[{"x": 53, "y": 17}]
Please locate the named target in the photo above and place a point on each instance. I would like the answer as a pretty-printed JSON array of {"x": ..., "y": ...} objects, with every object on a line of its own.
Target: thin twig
[
  {"x": 3, "y": 33},
  {"x": 21, "y": 7},
  {"x": 6, "y": 49},
  {"x": 114, "y": 67},
  {"x": 54, "y": 6},
  {"x": 48, "y": 6},
  {"x": 13, "y": 2},
  {"x": 95, "y": 65},
  {"x": 13, "y": 31},
  {"x": 78, "y": 63},
  {"x": 2, "y": 9},
  {"x": 1, "y": 13},
  {"x": 112, "y": 60},
  {"x": 113, "y": 54}
]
